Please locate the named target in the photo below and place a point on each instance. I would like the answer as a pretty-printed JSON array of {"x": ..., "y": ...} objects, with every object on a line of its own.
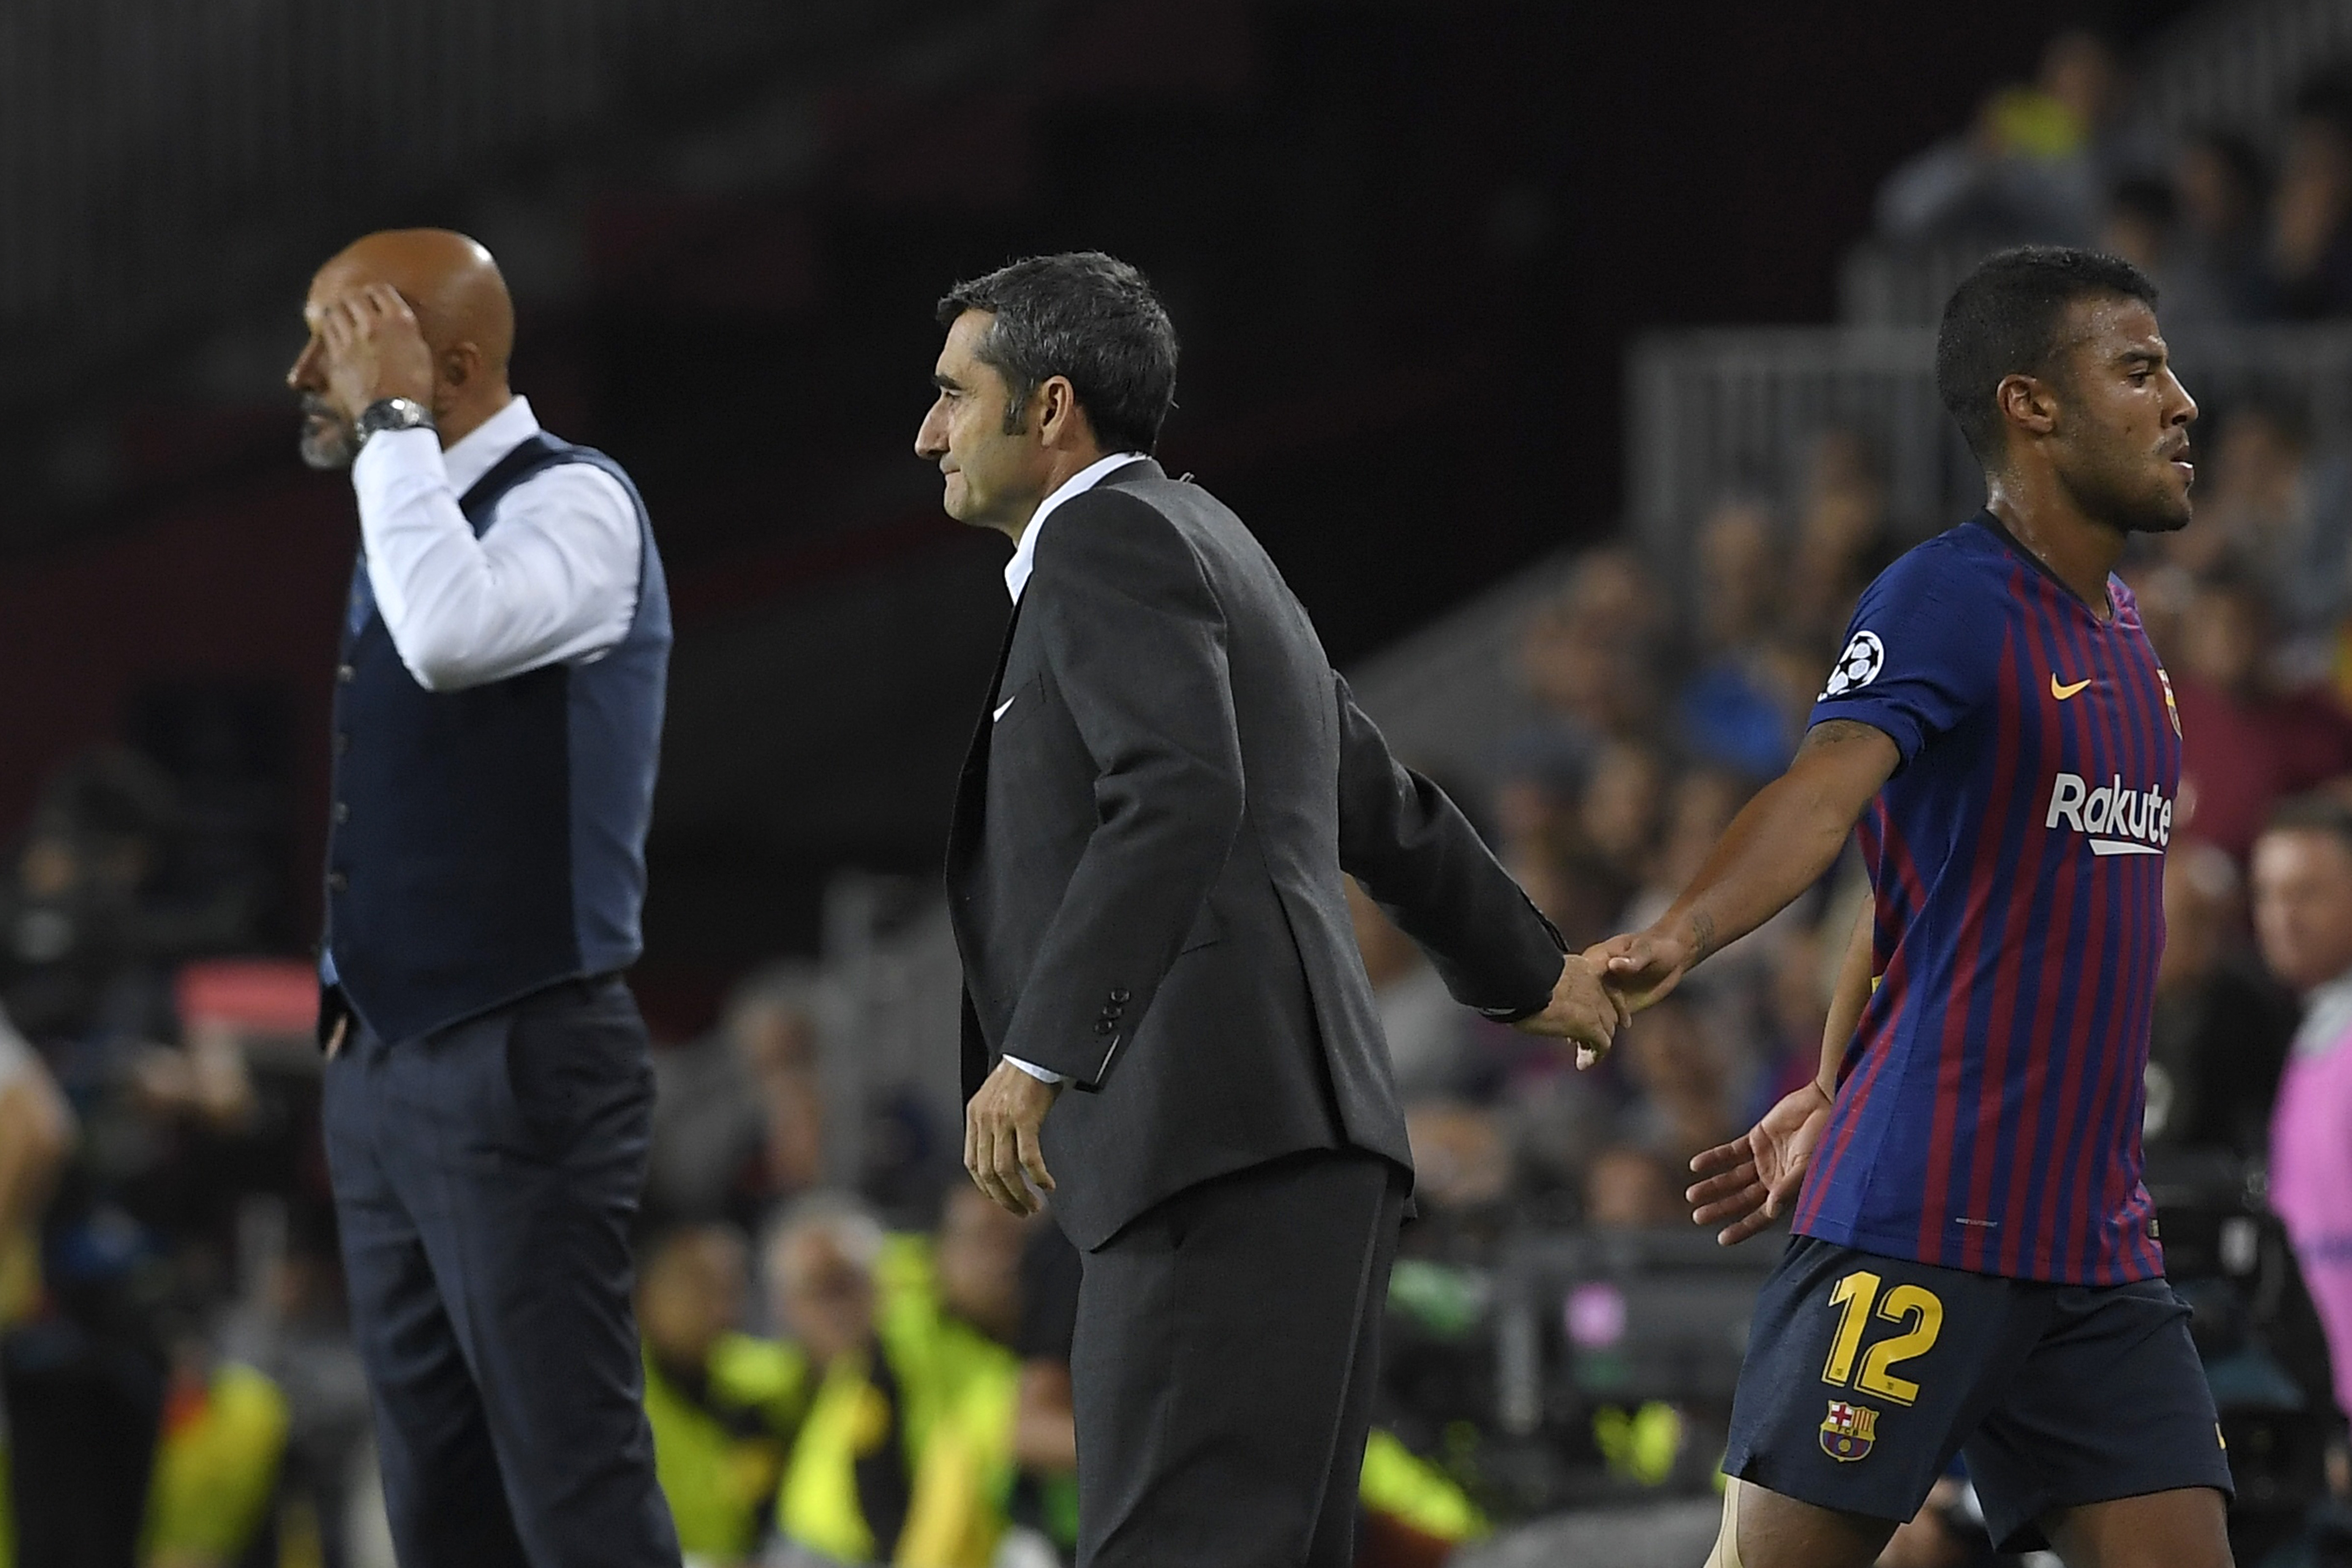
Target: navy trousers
[{"x": 486, "y": 1176}]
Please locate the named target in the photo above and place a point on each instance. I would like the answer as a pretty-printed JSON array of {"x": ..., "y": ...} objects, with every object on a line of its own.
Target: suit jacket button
[
  {"x": 337, "y": 881},
  {"x": 1121, "y": 993},
  {"x": 345, "y": 674},
  {"x": 1105, "y": 1025},
  {"x": 342, "y": 811}
]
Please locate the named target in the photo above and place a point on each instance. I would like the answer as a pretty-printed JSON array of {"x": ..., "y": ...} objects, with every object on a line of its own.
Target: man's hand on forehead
[{"x": 375, "y": 348}]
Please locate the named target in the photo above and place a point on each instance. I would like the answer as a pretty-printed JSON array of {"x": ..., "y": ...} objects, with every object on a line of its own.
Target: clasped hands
[{"x": 1601, "y": 989}]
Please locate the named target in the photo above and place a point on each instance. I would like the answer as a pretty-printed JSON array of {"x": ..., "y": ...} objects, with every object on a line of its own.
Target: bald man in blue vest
[{"x": 488, "y": 1094}]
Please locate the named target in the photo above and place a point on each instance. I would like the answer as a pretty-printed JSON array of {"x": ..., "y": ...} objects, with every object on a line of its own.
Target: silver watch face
[{"x": 393, "y": 414}]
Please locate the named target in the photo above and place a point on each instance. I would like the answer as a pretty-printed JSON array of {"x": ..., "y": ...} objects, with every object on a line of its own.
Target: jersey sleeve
[{"x": 1921, "y": 653}]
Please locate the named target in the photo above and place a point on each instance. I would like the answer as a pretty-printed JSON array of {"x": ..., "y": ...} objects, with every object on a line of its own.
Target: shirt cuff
[
  {"x": 1042, "y": 1075},
  {"x": 392, "y": 455}
]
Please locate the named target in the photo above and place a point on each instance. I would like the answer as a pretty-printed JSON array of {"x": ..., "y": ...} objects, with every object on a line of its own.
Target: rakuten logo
[{"x": 2119, "y": 821}]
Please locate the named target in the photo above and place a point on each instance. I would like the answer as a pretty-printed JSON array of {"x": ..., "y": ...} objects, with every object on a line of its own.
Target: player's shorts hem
[
  {"x": 2015, "y": 1535},
  {"x": 1745, "y": 1467}
]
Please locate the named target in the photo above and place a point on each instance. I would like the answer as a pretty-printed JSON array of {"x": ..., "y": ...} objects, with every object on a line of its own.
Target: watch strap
[{"x": 393, "y": 414}]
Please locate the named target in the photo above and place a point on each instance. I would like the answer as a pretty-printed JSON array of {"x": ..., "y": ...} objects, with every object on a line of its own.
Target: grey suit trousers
[{"x": 1228, "y": 1353}]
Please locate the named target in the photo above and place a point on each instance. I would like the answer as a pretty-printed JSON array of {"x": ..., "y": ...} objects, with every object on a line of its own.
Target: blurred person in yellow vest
[
  {"x": 217, "y": 1458},
  {"x": 949, "y": 1313},
  {"x": 905, "y": 1457},
  {"x": 949, "y": 1307},
  {"x": 1415, "y": 1515},
  {"x": 724, "y": 1405}
]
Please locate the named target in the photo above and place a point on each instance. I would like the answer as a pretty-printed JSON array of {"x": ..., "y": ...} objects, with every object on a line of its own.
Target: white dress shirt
[
  {"x": 1016, "y": 577},
  {"x": 555, "y": 581},
  {"x": 1024, "y": 552}
]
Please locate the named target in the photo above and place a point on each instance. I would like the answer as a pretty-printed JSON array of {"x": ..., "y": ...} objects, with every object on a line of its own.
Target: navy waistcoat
[{"x": 490, "y": 842}]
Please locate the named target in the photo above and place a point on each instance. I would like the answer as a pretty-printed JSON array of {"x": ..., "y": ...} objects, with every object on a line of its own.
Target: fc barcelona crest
[
  {"x": 1848, "y": 1431},
  {"x": 2170, "y": 707}
]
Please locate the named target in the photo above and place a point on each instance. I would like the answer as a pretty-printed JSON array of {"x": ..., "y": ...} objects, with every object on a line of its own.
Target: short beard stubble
[{"x": 328, "y": 443}]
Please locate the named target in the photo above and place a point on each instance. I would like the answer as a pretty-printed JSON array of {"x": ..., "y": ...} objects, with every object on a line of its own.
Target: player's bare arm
[
  {"x": 1778, "y": 846},
  {"x": 1750, "y": 1181}
]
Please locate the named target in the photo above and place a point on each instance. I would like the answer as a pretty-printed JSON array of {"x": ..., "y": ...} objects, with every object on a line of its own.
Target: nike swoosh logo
[
  {"x": 2064, "y": 692},
  {"x": 1000, "y": 712}
]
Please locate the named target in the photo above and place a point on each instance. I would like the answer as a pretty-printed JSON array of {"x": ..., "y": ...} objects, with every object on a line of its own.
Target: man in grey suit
[{"x": 1145, "y": 876}]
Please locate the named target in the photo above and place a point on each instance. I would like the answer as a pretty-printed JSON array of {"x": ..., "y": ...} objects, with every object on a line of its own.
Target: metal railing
[
  {"x": 1885, "y": 284},
  {"x": 1718, "y": 412}
]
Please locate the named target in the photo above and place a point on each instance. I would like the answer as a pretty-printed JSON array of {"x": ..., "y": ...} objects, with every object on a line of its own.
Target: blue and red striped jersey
[{"x": 1988, "y": 1112}]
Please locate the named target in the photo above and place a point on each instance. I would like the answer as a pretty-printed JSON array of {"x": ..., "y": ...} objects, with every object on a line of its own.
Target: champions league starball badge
[
  {"x": 1857, "y": 667},
  {"x": 1849, "y": 1431}
]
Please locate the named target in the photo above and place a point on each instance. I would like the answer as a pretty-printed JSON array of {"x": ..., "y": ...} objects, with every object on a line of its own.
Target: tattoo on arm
[
  {"x": 1837, "y": 731},
  {"x": 1702, "y": 931}
]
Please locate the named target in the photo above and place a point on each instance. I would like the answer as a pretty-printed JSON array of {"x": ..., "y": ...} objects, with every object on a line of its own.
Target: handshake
[{"x": 1600, "y": 990}]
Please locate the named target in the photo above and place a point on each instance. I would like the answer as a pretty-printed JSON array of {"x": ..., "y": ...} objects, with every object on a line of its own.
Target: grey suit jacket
[{"x": 1144, "y": 870}]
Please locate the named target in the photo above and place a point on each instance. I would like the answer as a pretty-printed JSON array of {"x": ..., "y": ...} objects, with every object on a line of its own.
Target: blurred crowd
[
  {"x": 2231, "y": 232},
  {"x": 882, "y": 1375}
]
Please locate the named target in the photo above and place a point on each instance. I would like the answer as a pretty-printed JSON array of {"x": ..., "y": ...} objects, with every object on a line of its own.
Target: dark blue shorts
[{"x": 1866, "y": 1374}]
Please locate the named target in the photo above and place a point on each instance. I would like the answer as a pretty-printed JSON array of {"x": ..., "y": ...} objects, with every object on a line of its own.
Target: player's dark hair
[
  {"x": 1086, "y": 316},
  {"x": 2003, "y": 321},
  {"x": 2314, "y": 814}
]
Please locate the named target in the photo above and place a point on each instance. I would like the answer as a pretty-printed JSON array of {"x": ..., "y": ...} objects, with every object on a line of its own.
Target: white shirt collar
[
  {"x": 1024, "y": 554},
  {"x": 466, "y": 461}
]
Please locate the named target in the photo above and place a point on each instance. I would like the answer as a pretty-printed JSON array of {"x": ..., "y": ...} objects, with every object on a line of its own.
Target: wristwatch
[{"x": 393, "y": 414}]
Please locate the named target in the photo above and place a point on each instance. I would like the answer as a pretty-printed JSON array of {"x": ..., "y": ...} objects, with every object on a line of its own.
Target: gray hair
[{"x": 845, "y": 1216}]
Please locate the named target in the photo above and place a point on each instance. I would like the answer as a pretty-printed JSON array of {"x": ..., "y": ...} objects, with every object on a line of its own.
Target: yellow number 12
[{"x": 1854, "y": 1296}]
